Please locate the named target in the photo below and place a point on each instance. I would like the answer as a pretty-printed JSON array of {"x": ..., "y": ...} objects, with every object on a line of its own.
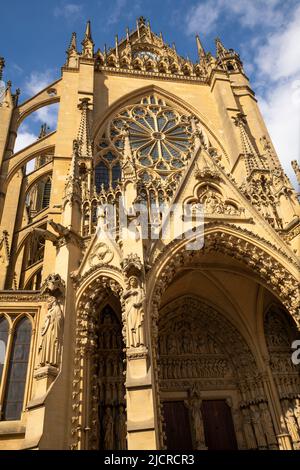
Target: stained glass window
[
  {"x": 4, "y": 327},
  {"x": 160, "y": 136},
  {"x": 17, "y": 371}
]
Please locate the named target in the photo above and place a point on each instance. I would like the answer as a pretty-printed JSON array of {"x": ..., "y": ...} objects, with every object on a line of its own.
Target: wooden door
[
  {"x": 178, "y": 429},
  {"x": 218, "y": 425}
]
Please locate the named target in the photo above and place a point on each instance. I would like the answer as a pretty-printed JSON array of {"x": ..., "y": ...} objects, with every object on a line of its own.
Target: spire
[
  {"x": 221, "y": 50},
  {"x": 73, "y": 44},
  {"x": 128, "y": 166},
  {"x": 252, "y": 158},
  {"x": 117, "y": 47},
  {"x": 88, "y": 32},
  {"x": 87, "y": 43},
  {"x": 72, "y": 54},
  {"x": 127, "y": 34},
  {"x": 44, "y": 130},
  {"x": 2, "y": 65},
  {"x": 84, "y": 137},
  {"x": 138, "y": 28},
  {"x": 200, "y": 49},
  {"x": 72, "y": 191}
]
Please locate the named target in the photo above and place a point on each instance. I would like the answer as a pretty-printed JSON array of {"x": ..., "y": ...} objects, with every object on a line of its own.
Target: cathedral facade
[{"x": 149, "y": 254}]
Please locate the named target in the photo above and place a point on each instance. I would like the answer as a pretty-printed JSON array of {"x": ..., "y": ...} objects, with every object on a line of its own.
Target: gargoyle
[
  {"x": 45, "y": 234},
  {"x": 60, "y": 229}
]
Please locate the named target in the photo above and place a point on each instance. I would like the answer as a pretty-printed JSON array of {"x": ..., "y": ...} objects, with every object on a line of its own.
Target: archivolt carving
[
  {"x": 280, "y": 281},
  {"x": 85, "y": 361}
]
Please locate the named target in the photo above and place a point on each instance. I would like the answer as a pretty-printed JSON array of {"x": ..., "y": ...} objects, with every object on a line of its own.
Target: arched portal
[{"x": 209, "y": 381}]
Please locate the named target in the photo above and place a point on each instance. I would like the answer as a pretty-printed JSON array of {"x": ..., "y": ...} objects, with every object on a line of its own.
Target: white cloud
[
  {"x": 282, "y": 115},
  {"x": 25, "y": 137},
  {"x": 280, "y": 56},
  {"x": 272, "y": 52},
  {"x": 278, "y": 67},
  {"x": 37, "y": 81},
  {"x": 68, "y": 11},
  {"x": 47, "y": 114},
  {"x": 203, "y": 17}
]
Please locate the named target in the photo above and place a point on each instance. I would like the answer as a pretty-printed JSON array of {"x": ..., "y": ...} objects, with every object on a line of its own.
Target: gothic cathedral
[{"x": 119, "y": 327}]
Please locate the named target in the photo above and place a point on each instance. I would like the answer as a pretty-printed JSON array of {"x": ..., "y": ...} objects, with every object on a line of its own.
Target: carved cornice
[
  {"x": 148, "y": 74},
  {"x": 19, "y": 296}
]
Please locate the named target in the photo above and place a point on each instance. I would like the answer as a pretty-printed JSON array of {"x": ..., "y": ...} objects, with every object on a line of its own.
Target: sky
[{"x": 34, "y": 36}]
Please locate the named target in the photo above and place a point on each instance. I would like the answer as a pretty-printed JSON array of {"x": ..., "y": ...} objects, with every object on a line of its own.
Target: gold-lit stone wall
[{"x": 121, "y": 329}]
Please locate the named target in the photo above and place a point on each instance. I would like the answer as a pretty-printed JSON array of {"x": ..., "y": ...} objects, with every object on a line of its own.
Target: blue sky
[{"x": 34, "y": 36}]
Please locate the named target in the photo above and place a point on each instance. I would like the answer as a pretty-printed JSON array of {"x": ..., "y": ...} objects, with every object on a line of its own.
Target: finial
[
  {"x": 221, "y": 50},
  {"x": 127, "y": 34},
  {"x": 73, "y": 45},
  {"x": 117, "y": 47},
  {"x": 174, "y": 47},
  {"x": 88, "y": 31},
  {"x": 87, "y": 43},
  {"x": 138, "y": 28},
  {"x": 142, "y": 20},
  {"x": 44, "y": 130},
  {"x": 2, "y": 65},
  {"x": 161, "y": 36},
  {"x": 200, "y": 48},
  {"x": 296, "y": 168}
]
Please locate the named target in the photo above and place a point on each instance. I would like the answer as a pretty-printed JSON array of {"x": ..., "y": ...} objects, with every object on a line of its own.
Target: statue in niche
[
  {"x": 51, "y": 343},
  {"x": 297, "y": 411},
  {"x": 258, "y": 428},
  {"x": 122, "y": 428},
  {"x": 248, "y": 430},
  {"x": 172, "y": 344},
  {"x": 108, "y": 426},
  {"x": 134, "y": 297},
  {"x": 194, "y": 405},
  {"x": 291, "y": 423},
  {"x": 268, "y": 425}
]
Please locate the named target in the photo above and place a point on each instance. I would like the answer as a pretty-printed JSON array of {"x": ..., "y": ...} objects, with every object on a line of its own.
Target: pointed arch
[{"x": 271, "y": 269}]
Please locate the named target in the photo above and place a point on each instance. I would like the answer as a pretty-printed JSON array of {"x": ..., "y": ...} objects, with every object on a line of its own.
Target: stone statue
[
  {"x": 291, "y": 423},
  {"x": 248, "y": 430},
  {"x": 194, "y": 405},
  {"x": 134, "y": 297},
  {"x": 108, "y": 426},
  {"x": 122, "y": 429},
  {"x": 50, "y": 347},
  {"x": 258, "y": 428},
  {"x": 268, "y": 426}
]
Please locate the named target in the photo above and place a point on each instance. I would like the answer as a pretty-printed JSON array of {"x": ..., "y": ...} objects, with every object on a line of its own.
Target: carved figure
[
  {"x": 134, "y": 297},
  {"x": 50, "y": 347}
]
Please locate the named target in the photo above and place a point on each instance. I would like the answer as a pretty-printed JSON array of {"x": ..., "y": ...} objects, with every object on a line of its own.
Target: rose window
[{"x": 160, "y": 137}]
